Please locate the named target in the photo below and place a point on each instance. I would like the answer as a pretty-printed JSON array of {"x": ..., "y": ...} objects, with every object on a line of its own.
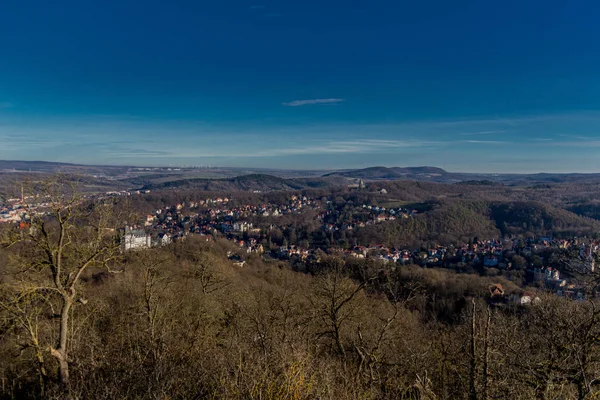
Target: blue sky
[{"x": 466, "y": 85}]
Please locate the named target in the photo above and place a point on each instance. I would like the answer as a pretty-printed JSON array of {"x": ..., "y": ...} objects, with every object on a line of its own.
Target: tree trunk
[
  {"x": 63, "y": 367},
  {"x": 338, "y": 341},
  {"x": 473, "y": 364},
  {"x": 486, "y": 354},
  {"x": 60, "y": 353},
  {"x": 41, "y": 370},
  {"x": 580, "y": 391}
]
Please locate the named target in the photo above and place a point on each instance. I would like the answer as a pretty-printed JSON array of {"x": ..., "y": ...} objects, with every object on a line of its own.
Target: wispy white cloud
[
  {"x": 480, "y": 133},
  {"x": 347, "y": 146},
  {"x": 23, "y": 141},
  {"x": 485, "y": 141},
  {"x": 298, "y": 103},
  {"x": 579, "y": 137},
  {"x": 133, "y": 153},
  {"x": 312, "y": 147}
]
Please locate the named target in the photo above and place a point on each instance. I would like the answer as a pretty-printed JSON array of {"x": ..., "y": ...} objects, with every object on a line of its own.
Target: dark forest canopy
[
  {"x": 259, "y": 182},
  {"x": 182, "y": 321}
]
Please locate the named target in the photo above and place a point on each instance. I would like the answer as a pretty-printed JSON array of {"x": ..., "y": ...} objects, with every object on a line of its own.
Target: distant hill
[
  {"x": 31, "y": 166},
  {"x": 261, "y": 182},
  {"x": 435, "y": 174},
  {"x": 392, "y": 173},
  {"x": 136, "y": 176}
]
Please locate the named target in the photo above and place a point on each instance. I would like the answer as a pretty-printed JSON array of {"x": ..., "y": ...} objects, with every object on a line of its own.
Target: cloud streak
[
  {"x": 348, "y": 146},
  {"x": 578, "y": 137},
  {"x": 314, "y": 147},
  {"x": 484, "y": 141},
  {"x": 299, "y": 103},
  {"x": 480, "y": 133}
]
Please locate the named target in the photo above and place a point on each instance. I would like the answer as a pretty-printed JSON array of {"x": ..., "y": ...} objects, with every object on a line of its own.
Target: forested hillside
[
  {"x": 541, "y": 219},
  {"x": 459, "y": 221},
  {"x": 424, "y": 173},
  {"x": 205, "y": 316},
  {"x": 589, "y": 209},
  {"x": 184, "y": 322},
  {"x": 259, "y": 182},
  {"x": 448, "y": 222}
]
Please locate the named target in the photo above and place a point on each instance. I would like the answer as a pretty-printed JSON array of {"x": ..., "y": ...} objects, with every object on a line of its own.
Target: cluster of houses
[
  {"x": 209, "y": 216},
  {"x": 294, "y": 251},
  {"x": 251, "y": 245},
  {"x": 371, "y": 215},
  {"x": 12, "y": 213},
  {"x": 206, "y": 217},
  {"x": 494, "y": 254},
  {"x": 16, "y": 209},
  {"x": 379, "y": 252},
  {"x": 117, "y": 193}
]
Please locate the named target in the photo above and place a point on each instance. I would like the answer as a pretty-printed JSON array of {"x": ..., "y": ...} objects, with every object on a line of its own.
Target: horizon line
[{"x": 207, "y": 166}]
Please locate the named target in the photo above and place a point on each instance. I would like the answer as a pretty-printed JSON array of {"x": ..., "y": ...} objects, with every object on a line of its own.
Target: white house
[{"x": 135, "y": 239}]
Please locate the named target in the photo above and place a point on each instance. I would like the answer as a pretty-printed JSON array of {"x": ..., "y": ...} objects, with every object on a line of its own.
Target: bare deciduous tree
[
  {"x": 66, "y": 236},
  {"x": 335, "y": 301}
]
